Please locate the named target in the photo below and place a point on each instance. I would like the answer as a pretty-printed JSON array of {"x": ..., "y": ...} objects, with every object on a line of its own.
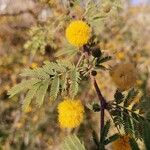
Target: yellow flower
[
  {"x": 70, "y": 113},
  {"x": 120, "y": 55},
  {"x": 124, "y": 76},
  {"x": 78, "y": 33},
  {"x": 122, "y": 144},
  {"x": 34, "y": 65}
]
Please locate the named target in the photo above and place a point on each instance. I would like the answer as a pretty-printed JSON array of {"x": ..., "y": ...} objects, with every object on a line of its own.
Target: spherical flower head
[
  {"x": 124, "y": 76},
  {"x": 70, "y": 113},
  {"x": 120, "y": 55},
  {"x": 122, "y": 143},
  {"x": 78, "y": 33}
]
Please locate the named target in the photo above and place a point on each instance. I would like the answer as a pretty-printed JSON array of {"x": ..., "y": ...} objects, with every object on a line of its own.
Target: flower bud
[
  {"x": 96, "y": 52},
  {"x": 96, "y": 107},
  {"x": 93, "y": 73}
]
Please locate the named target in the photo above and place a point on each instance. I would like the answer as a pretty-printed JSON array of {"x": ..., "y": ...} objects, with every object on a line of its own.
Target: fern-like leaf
[
  {"x": 30, "y": 94},
  {"x": 42, "y": 92},
  {"x": 68, "y": 50},
  {"x": 73, "y": 143},
  {"x": 134, "y": 144},
  {"x": 65, "y": 63},
  {"x": 146, "y": 135},
  {"x": 54, "y": 88},
  {"x": 56, "y": 66},
  {"x": 105, "y": 131},
  {"x": 112, "y": 138},
  {"x": 63, "y": 82},
  {"x": 130, "y": 97},
  {"x": 53, "y": 74},
  {"x": 24, "y": 85},
  {"x": 36, "y": 73},
  {"x": 128, "y": 128},
  {"x": 74, "y": 77}
]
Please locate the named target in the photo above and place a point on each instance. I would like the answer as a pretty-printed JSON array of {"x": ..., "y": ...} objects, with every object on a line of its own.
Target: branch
[
  {"x": 103, "y": 105},
  {"x": 80, "y": 60}
]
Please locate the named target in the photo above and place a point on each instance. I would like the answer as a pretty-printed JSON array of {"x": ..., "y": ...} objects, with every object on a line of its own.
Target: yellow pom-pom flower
[
  {"x": 124, "y": 76},
  {"x": 78, "y": 33},
  {"x": 120, "y": 55},
  {"x": 70, "y": 113},
  {"x": 122, "y": 144}
]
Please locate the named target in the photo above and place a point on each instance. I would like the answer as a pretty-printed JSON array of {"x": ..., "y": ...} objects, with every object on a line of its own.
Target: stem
[
  {"x": 103, "y": 106},
  {"x": 80, "y": 59}
]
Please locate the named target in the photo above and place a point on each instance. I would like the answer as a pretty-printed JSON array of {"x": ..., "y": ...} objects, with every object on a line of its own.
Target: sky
[{"x": 139, "y": 1}]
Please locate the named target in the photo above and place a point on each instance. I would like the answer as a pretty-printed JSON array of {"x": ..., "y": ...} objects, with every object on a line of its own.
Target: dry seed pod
[{"x": 124, "y": 76}]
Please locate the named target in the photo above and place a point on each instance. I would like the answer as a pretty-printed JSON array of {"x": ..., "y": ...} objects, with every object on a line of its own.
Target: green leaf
[
  {"x": 74, "y": 78},
  {"x": 148, "y": 115},
  {"x": 145, "y": 103},
  {"x": 128, "y": 128},
  {"x": 118, "y": 121},
  {"x": 65, "y": 63},
  {"x": 24, "y": 85},
  {"x": 63, "y": 82},
  {"x": 112, "y": 138},
  {"x": 72, "y": 143},
  {"x": 134, "y": 144},
  {"x": 119, "y": 97},
  {"x": 137, "y": 126},
  {"x": 105, "y": 131},
  {"x": 56, "y": 66},
  {"x": 57, "y": 74},
  {"x": 30, "y": 94},
  {"x": 95, "y": 138},
  {"x": 135, "y": 107},
  {"x": 117, "y": 116},
  {"x": 100, "y": 67},
  {"x": 146, "y": 135},
  {"x": 68, "y": 50},
  {"x": 104, "y": 59},
  {"x": 42, "y": 92},
  {"x": 36, "y": 73},
  {"x": 54, "y": 88},
  {"x": 131, "y": 95},
  {"x": 96, "y": 107}
]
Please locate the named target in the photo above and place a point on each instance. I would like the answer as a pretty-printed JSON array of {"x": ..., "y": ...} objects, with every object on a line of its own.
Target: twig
[
  {"x": 80, "y": 60},
  {"x": 103, "y": 105}
]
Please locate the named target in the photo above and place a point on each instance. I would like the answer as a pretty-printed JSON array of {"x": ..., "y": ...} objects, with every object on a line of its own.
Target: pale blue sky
[{"x": 139, "y": 1}]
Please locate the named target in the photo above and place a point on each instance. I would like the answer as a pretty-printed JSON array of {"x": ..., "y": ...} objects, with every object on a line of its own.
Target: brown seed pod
[{"x": 124, "y": 76}]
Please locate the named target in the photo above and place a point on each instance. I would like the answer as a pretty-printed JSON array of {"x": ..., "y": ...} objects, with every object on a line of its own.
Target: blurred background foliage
[{"x": 32, "y": 32}]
